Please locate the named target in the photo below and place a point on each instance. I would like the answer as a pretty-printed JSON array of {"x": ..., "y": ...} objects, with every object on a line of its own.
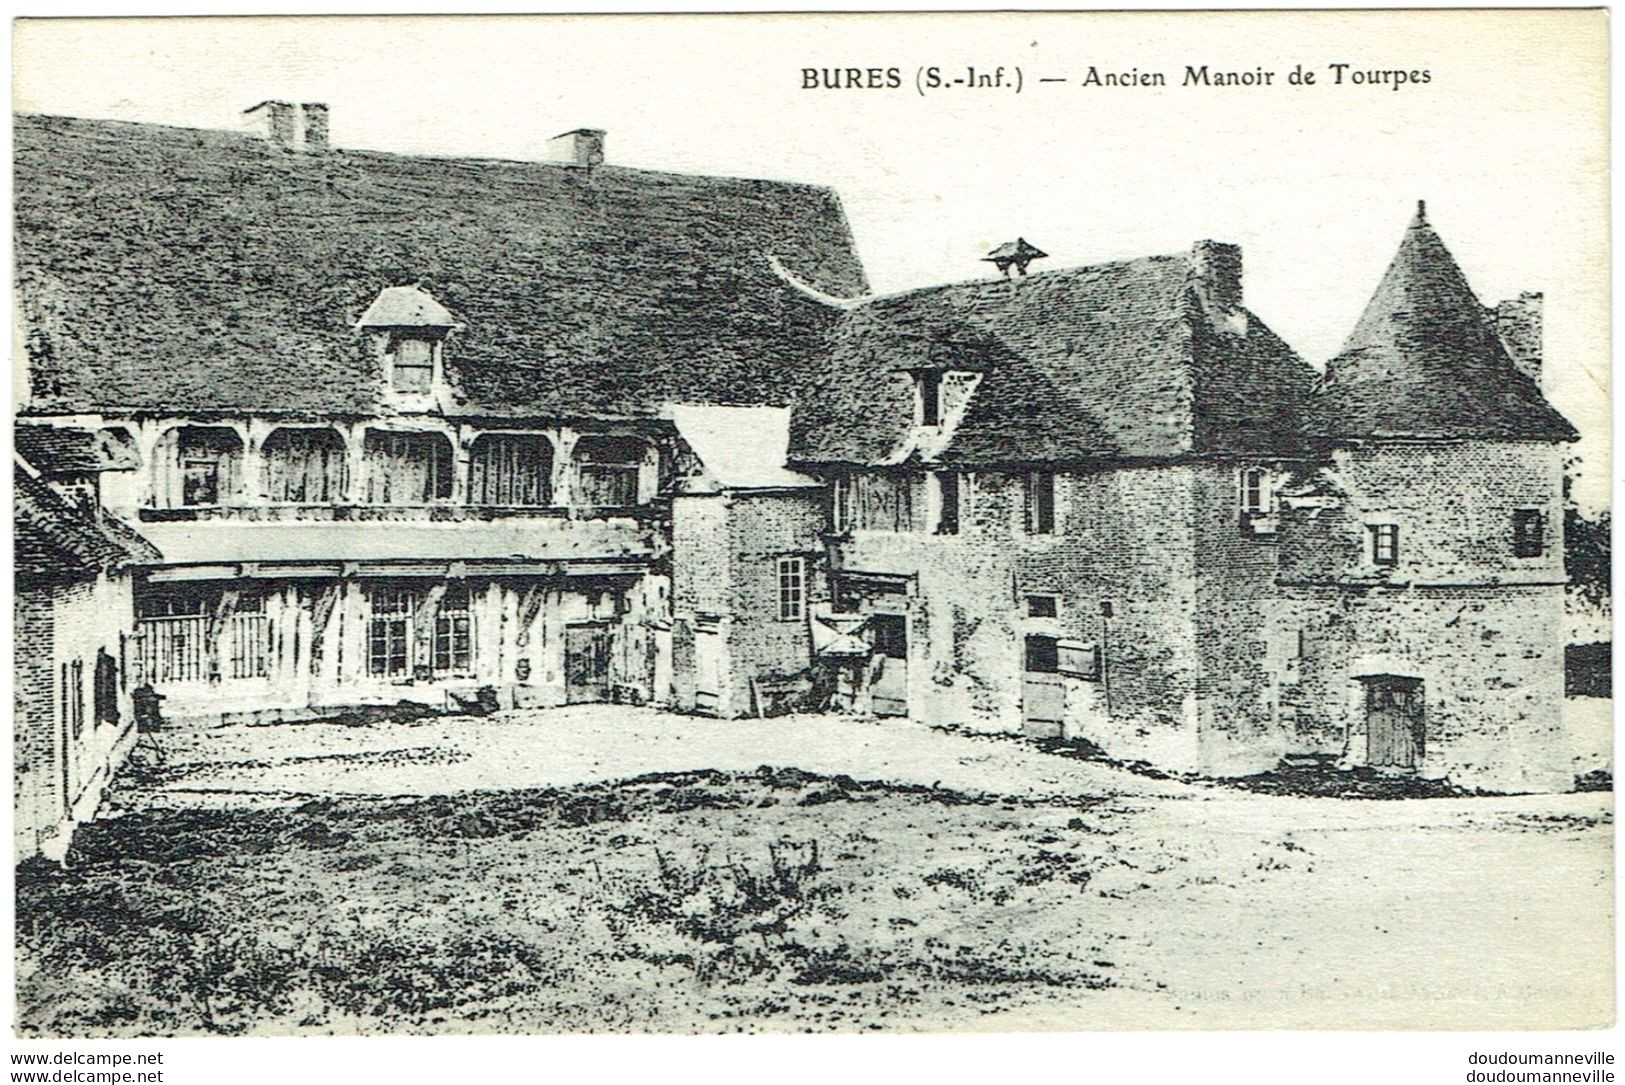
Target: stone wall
[
  {"x": 34, "y": 725},
  {"x": 1480, "y": 626},
  {"x": 60, "y": 776},
  {"x": 1123, "y": 537},
  {"x": 763, "y": 527},
  {"x": 1454, "y": 504},
  {"x": 725, "y": 598},
  {"x": 1235, "y": 587},
  {"x": 1490, "y": 660}
]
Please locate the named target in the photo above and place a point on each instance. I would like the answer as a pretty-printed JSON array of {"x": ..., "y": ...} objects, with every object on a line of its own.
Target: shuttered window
[
  {"x": 407, "y": 468},
  {"x": 510, "y": 469},
  {"x": 608, "y": 470},
  {"x": 304, "y": 466}
]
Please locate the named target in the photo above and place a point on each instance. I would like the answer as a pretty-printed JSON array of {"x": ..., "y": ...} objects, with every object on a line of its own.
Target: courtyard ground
[{"x": 607, "y": 868}]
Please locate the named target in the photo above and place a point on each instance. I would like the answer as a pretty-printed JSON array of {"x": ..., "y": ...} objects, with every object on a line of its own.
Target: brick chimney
[
  {"x": 581, "y": 147},
  {"x": 1217, "y": 266},
  {"x": 315, "y": 125},
  {"x": 1518, "y": 321},
  {"x": 295, "y": 125}
]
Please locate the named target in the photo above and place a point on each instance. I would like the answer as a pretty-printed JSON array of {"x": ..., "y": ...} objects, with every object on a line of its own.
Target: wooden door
[
  {"x": 1043, "y": 695},
  {"x": 586, "y": 663},
  {"x": 708, "y": 669},
  {"x": 888, "y": 665},
  {"x": 1393, "y": 720}
]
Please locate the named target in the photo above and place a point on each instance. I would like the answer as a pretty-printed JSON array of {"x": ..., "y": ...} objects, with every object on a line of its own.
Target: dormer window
[
  {"x": 408, "y": 328},
  {"x": 930, "y": 388},
  {"x": 412, "y": 365}
]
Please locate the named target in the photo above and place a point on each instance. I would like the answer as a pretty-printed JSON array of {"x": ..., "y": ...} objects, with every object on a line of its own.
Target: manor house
[{"x": 368, "y": 428}]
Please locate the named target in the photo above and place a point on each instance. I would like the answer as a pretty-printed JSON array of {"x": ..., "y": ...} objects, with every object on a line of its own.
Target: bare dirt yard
[{"x": 615, "y": 869}]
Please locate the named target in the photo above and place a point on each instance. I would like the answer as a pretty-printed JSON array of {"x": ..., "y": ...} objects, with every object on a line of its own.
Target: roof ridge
[
  {"x": 1012, "y": 285},
  {"x": 249, "y": 139}
]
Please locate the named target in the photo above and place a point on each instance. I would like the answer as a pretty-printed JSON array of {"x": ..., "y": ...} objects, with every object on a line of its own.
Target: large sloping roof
[
  {"x": 1424, "y": 361},
  {"x": 169, "y": 268},
  {"x": 1120, "y": 360},
  {"x": 55, "y": 541}
]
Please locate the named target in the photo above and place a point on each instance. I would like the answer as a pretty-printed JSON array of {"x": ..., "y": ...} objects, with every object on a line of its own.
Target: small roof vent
[{"x": 1017, "y": 254}]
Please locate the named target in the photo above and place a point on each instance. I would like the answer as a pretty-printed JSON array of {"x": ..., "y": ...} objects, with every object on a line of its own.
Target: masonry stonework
[
  {"x": 1102, "y": 503},
  {"x": 66, "y": 751}
]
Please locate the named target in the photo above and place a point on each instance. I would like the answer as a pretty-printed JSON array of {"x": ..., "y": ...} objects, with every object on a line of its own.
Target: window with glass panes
[
  {"x": 1254, "y": 491},
  {"x": 792, "y": 588},
  {"x": 413, "y": 365},
  {"x": 453, "y": 643},
  {"x": 389, "y": 632},
  {"x": 1385, "y": 544}
]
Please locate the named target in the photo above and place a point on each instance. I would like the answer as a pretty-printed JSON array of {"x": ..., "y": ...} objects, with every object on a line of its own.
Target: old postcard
[{"x": 821, "y": 523}]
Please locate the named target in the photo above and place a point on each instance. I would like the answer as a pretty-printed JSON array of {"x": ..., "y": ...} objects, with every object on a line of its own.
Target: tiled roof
[
  {"x": 1424, "y": 361},
  {"x": 1126, "y": 359},
  {"x": 61, "y": 449},
  {"x": 168, "y": 268},
  {"x": 54, "y": 541}
]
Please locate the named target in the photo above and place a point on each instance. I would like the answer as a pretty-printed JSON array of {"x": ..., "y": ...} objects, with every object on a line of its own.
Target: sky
[{"x": 1506, "y": 139}]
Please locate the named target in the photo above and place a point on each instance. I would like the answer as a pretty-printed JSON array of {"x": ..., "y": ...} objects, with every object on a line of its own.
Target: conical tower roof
[{"x": 1424, "y": 361}]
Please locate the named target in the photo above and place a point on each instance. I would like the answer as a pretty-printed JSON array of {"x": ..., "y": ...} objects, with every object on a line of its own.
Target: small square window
[
  {"x": 792, "y": 583},
  {"x": 1528, "y": 533},
  {"x": 1385, "y": 544},
  {"x": 1042, "y": 606},
  {"x": 1043, "y": 655}
]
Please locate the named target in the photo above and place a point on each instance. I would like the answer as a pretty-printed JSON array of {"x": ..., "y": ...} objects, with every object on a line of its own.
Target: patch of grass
[
  {"x": 1328, "y": 781},
  {"x": 1595, "y": 780},
  {"x": 669, "y": 901}
]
